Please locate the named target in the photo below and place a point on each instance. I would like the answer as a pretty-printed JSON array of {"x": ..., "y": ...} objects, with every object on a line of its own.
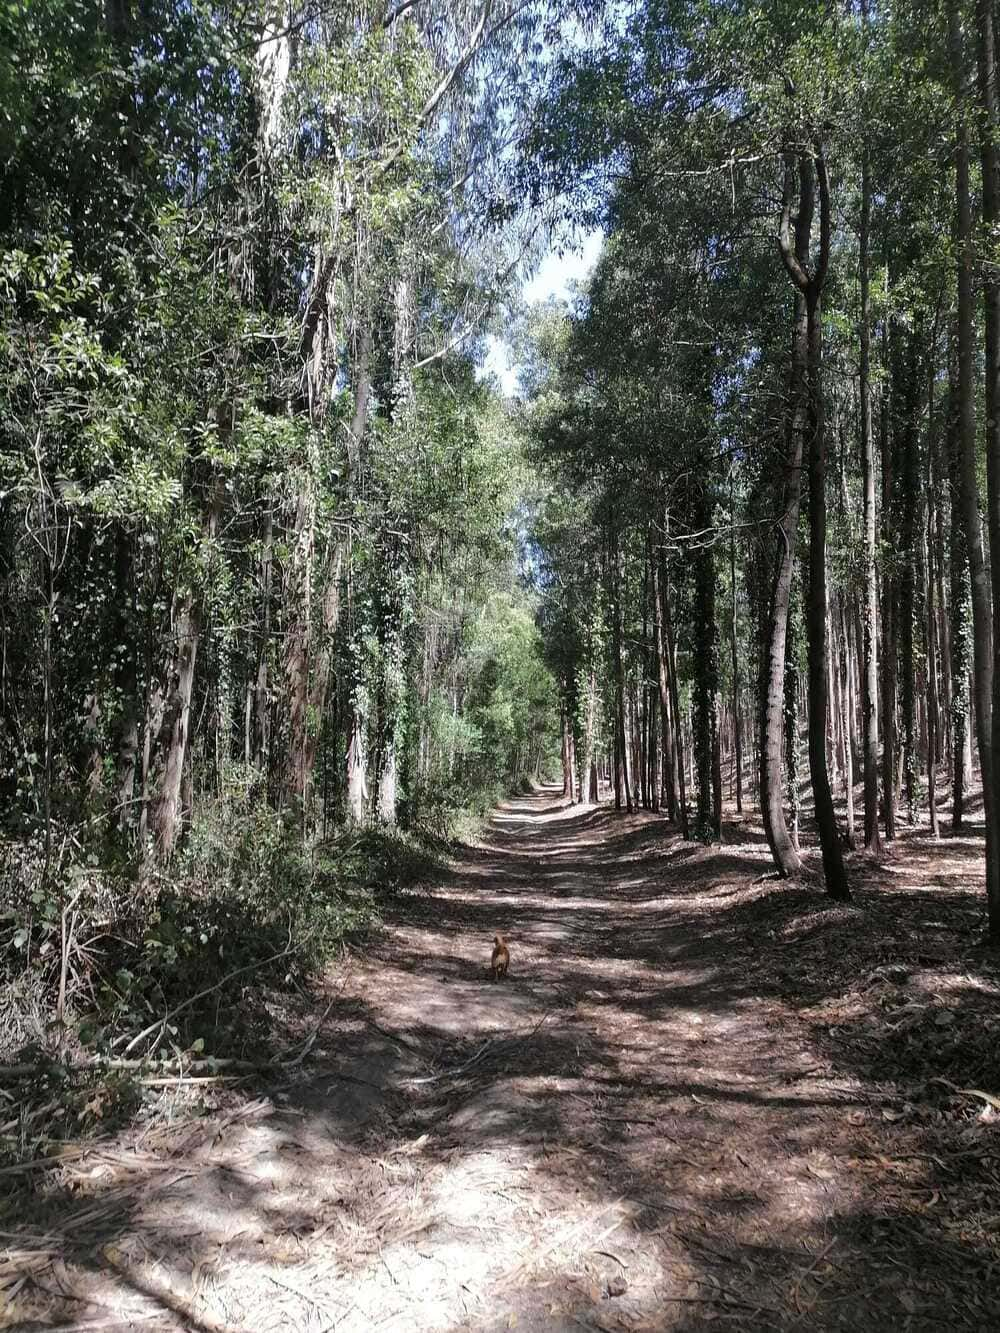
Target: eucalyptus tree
[
  {"x": 235, "y": 278},
  {"x": 989, "y": 116}
]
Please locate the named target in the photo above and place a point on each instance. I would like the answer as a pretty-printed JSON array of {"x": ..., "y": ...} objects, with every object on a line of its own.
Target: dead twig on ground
[
  {"x": 480, "y": 1053},
  {"x": 988, "y": 1097},
  {"x": 293, "y": 1061},
  {"x": 161, "y": 1023},
  {"x": 566, "y": 1233},
  {"x": 208, "y": 1064},
  {"x": 143, "y": 1281}
]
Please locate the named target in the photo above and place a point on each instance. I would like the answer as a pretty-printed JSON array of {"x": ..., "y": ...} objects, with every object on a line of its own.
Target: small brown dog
[{"x": 500, "y": 961}]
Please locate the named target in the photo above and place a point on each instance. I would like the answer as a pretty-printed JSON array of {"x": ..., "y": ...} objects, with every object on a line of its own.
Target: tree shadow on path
[{"x": 700, "y": 1098}]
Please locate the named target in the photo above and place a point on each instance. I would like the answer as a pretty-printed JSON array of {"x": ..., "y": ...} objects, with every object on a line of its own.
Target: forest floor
[{"x": 702, "y": 1097}]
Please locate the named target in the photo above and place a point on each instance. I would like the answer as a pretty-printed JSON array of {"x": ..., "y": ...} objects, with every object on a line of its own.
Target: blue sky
[{"x": 554, "y": 277}]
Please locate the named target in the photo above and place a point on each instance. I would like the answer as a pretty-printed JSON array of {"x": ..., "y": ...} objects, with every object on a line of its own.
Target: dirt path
[{"x": 676, "y": 1112}]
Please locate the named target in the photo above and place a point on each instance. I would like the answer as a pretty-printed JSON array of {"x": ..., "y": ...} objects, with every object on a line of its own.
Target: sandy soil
[{"x": 700, "y": 1098}]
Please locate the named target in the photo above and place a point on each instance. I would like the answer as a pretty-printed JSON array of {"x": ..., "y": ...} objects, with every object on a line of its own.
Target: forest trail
[{"x": 647, "y": 1126}]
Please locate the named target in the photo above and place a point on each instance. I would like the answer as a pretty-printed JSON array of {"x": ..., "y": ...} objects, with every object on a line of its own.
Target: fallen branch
[
  {"x": 161, "y": 1023},
  {"x": 291, "y": 1061},
  {"x": 460, "y": 1069},
  {"x": 987, "y": 1097},
  {"x": 185, "y": 1080},
  {"x": 490, "y": 1042},
  {"x": 21, "y": 1168},
  {"x": 143, "y": 1281},
  {"x": 207, "y": 1065}
]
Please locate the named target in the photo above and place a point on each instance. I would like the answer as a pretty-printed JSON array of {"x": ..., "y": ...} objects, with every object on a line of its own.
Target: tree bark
[
  {"x": 847, "y": 713},
  {"x": 678, "y": 725},
  {"x": 623, "y": 788},
  {"x": 809, "y": 282},
  {"x": 888, "y": 655},
  {"x": 734, "y": 646},
  {"x": 783, "y": 849},
  {"x": 657, "y": 564},
  {"x": 933, "y": 740},
  {"x": 982, "y": 617},
  {"x": 873, "y": 841},
  {"x": 990, "y": 129},
  {"x": 706, "y": 681},
  {"x": 171, "y": 744},
  {"x": 906, "y": 409}
]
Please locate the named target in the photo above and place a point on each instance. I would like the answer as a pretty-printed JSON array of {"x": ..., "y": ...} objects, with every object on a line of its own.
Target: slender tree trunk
[
  {"x": 259, "y": 746},
  {"x": 940, "y": 483},
  {"x": 663, "y": 682},
  {"x": 587, "y": 767},
  {"x": 847, "y": 707},
  {"x": 172, "y": 742},
  {"x": 960, "y": 638},
  {"x": 716, "y": 768},
  {"x": 357, "y": 759},
  {"x": 990, "y": 132},
  {"x": 870, "y": 591},
  {"x": 888, "y": 656},
  {"x": 706, "y": 691},
  {"x": 809, "y": 282},
  {"x": 623, "y": 787},
  {"x": 772, "y": 729},
  {"x": 653, "y": 746},
  {"x": 791, "y": 719},
  {"x": 675, "y": 708},
  {"x": 128, "y": 685},
  {"x": 933, "y": 743},
  {"x": 982, "y": 627},
  {"x": 734, "y": 646},
  {"x": 906, "y": 407},
  {"x": 816, "y": 617}
]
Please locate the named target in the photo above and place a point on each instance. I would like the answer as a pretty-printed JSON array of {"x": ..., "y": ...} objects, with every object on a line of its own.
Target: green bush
[{"x": 245, "y": 906}]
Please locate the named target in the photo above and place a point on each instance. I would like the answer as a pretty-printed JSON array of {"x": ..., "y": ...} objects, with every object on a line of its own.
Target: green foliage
[{"x": 248, "y": 904}]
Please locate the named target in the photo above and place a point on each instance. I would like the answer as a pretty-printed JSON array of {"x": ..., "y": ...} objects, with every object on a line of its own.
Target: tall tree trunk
[
  {"x": 833, "y": 861},
  {"x": 809, "y": 282},
  {"x": 847, "y": 707},
  {"x": 127, "y": 679},
  {"x": 873, "y": 839},
  {"x": 706, "y": 680},
  {"x": 357, "y": 759},
  {"x": 357, "y": 782},
  {"x": 623, "y": 788},
  {"x": 791, "y": 717},
  {"x": 906, "y": 408},
  {"x": 982, "y": 627},
  {"x": 933, "y": 716},
  {"x": 772, "y": 725},
  {"x": 990, "y": 130},
  {"x": 667, "y": 727},
  {"x": 675, "y": 707},
  {"x": 889, "y": 655},
  {"x": 171, "y": 745},
  {"x": 654, "y": 761},
  {"x": 941, "y": 482},
  {"x": 734, "y": 647},
  {"x": 260, "y": 738}
]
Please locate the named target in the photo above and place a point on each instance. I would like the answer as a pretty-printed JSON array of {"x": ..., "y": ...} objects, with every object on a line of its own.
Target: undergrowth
[{"x": 106, "y": 965}]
